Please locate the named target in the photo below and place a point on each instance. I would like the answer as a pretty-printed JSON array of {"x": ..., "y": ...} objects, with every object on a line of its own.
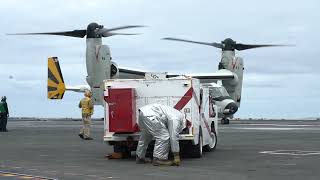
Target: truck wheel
[
  {"x": 212, "y": 143},
  {"x": 196, "y": 150},
  {"x": 124, "y": 150}
]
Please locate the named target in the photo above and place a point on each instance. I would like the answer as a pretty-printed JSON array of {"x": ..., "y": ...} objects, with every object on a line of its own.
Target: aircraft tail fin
[{"x": 56, "y": 86}]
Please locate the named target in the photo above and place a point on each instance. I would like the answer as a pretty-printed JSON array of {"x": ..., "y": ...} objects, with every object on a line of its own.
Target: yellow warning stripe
[
  {"x": 51, "y": 83},
  {"x": 53, "y": 68},
  {"x": 7, "y": 175},
  {"x": 23, "y": 176},
  {"x": 56, "y": 86}
]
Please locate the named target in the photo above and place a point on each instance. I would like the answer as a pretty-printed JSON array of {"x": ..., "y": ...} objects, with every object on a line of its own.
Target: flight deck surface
[{"x": 246, "y": 150}]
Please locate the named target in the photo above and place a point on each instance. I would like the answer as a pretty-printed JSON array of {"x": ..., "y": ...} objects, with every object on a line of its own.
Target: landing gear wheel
[
  {"x": 196, "y": 150},
  {"x": 225, "y": 121}
]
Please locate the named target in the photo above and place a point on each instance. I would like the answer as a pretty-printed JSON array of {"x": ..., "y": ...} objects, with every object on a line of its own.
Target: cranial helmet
[
  {"x": 4, "y": 98},
  {"x": 87, "y": 93}
]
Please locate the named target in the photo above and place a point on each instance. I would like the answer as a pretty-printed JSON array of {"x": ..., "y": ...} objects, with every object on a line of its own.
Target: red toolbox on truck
[{"x": 122, "y": 110}]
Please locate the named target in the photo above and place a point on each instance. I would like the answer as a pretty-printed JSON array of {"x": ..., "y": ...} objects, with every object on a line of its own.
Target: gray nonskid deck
[{"x": 246, "y": 150}]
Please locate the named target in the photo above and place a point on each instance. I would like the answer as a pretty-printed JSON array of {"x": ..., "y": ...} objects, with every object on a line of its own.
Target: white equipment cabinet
[{"x": 123, "y": 98}]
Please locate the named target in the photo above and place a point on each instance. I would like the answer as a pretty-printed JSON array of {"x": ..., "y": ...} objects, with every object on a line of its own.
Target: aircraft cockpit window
[
  {"x": 223, "y": 91},
  {"x": 218, "y": 93},
  {"x": 215, "y": 92}
]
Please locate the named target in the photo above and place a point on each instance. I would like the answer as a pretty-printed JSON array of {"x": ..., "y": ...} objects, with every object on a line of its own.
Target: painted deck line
[{"x": 23, "y": 176}]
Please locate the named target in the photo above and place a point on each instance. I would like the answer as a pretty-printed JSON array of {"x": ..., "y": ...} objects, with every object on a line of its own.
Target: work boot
[
  {"x": 142, "y": 160},
  {"x": 176, "y": 160},
  {"x": 88, "y": 138},
  {"x": 159, "y": 162},
  {"x": 114, "y": 155},
  {"x": 81, "y": 136}
]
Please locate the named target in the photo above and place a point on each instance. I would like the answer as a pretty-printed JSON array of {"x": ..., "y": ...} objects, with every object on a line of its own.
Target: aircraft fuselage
[{"x": 98, "y": 61}]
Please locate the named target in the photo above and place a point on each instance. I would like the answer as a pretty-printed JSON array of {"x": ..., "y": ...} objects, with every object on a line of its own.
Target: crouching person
[{"x": 163, "y": 123}]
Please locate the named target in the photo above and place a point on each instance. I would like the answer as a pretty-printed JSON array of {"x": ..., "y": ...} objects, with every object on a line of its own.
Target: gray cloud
[{"x": 288, "y": 73}]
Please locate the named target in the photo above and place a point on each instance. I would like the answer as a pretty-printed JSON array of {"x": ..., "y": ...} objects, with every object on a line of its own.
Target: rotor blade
[
  {"x": 75, "y": 33},
  {"x": 125, "y": 34},
  {"x": 124, "y": 27},
  {"x": 241, "y": 47},
  {"x": 217, "y": 45},
  {"x": 108, "y": 34}
]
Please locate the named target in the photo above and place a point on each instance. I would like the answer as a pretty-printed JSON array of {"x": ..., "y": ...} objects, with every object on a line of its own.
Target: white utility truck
[{"x": 123, "y": 98}]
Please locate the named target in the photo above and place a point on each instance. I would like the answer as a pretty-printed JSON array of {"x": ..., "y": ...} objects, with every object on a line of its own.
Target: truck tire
[
  {"x": 195, "y": 151},
  {"x": 212, "y": 144}
]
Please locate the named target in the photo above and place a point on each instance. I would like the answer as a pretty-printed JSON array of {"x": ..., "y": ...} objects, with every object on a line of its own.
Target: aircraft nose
[{"x": 231, "y": 108}]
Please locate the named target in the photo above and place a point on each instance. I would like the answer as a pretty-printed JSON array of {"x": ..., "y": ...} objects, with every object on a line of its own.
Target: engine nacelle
[
  {"x": 235, "y": 65},
  {"x": 234, "y": 82},
  {"x": 226, "y": 107}
]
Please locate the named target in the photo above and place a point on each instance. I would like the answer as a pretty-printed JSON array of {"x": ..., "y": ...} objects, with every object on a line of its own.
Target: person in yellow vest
[{"x": 86, "y": 104}]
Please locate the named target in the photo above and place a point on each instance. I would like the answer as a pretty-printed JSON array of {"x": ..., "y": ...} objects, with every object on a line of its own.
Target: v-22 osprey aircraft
[
  {"x": 226, "y": 93},
  {"x": 100, "y": 67}
]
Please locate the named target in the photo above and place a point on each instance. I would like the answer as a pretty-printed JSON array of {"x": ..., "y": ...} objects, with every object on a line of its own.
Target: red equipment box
[{"x": 122, "y": 110}]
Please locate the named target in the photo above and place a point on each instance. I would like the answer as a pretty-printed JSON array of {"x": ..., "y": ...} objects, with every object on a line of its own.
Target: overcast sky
[{"x": 278, "y": 82}]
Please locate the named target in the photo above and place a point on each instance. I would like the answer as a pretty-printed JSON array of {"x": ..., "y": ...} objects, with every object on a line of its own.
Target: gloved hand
[{"x": 176, "y": 160}]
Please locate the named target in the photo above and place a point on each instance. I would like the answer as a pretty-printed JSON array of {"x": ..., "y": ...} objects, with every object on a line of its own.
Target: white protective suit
[{"x": 162, "y": 122}]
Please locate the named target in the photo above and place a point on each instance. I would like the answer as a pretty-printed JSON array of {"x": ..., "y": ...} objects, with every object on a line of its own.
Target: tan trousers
[{"x": 85, "y": 130}]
